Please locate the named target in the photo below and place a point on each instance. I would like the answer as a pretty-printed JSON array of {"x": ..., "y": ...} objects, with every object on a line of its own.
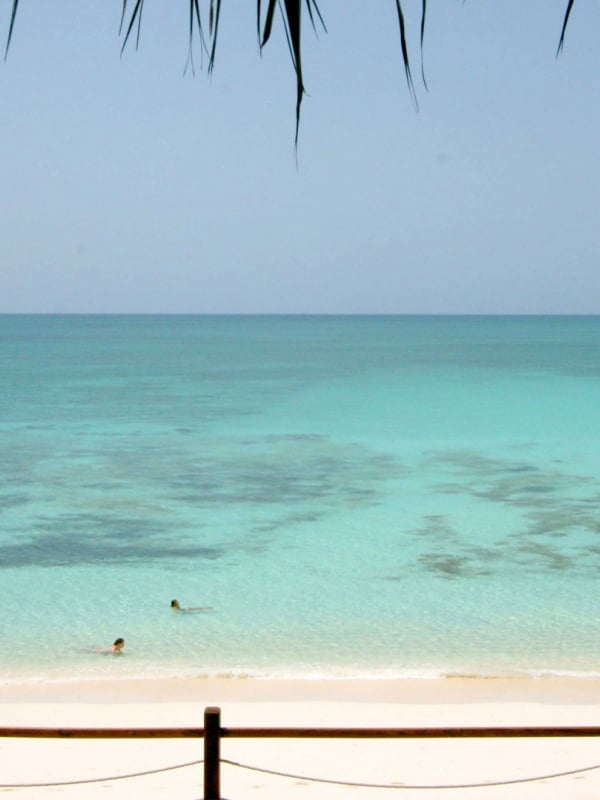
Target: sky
[{"x": 128, "y": 185}]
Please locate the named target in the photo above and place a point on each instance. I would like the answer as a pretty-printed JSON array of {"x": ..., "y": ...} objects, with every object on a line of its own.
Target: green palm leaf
[
  {"x": 423, "y": 14},
  {"x": 291, "y": 11},
  {"x": 195, "y": 19},
  {"x": 11, "y": 26},
  {"x": 403, "y": 45},
  {"x": 135, "y": 16},
  {"x": 293, "y": 29},
  {"x": 215, "y": 13},
  {"x": 268, "y": 22},
  {"x": 564, "y": 27}
]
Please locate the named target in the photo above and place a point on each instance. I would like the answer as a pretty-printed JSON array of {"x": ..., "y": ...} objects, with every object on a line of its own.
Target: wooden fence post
[{"x": 212, "y": 753}]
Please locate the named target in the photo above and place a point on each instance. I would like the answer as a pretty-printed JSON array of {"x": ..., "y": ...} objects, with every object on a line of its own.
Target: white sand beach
[{"x": 177, "y": 703}]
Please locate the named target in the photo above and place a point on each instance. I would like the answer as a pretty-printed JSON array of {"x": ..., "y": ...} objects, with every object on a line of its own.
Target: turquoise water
[{"x": 351, "y": 496}]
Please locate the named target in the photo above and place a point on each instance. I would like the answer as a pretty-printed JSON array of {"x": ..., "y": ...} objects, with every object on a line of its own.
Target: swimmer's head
[
  {"x": 175, "y": 605},
  {"x": 118, "y": 645}
]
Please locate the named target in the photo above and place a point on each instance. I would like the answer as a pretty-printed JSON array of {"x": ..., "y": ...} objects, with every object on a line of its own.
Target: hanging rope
[
  {"x": 406, "y": 785},
  {"x": 310, "y": 778},
  {"x": 97, "y": 780}
]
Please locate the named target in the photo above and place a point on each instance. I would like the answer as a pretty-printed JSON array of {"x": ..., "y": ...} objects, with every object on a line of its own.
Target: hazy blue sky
[{"x": 129, "y": 187}]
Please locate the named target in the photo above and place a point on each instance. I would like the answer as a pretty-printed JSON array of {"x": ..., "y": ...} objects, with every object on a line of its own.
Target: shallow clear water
[{"x": 372, "y": 496}]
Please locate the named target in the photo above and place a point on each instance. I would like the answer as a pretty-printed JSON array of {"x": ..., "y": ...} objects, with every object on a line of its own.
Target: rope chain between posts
[
  {"x": 97, "y": 780},
  {"x": 406, "y": 785},
  {"x": 295, "y": 776}
]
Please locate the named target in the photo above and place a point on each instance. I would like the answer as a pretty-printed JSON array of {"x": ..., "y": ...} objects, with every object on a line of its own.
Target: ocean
[{"x": 342, "y": 496}]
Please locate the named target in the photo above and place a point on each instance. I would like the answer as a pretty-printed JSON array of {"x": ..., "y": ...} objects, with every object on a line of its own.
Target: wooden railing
[{"x": 213, "y": 732}]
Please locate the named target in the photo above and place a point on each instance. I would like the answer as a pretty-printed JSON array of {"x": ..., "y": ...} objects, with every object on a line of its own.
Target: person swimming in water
[
  {"x": 115, "y": 648},
  {"x": 176, "y": 607}
]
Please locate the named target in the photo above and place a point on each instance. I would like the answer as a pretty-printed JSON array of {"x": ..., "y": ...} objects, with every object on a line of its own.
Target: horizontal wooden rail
[
  {"x": 408, "y": 733},
  {"x": 303, "y": 733},
  {"x": 102, "y": 733}
]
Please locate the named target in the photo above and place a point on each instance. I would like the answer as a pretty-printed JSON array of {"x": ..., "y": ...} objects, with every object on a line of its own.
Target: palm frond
[
  {"x": 215, "y": 14},
  {"x": 423, "y": 15},
  {"x": 405, "y": 58},
  {"x": 135, "y": 16},
  {"x": 292, "y": 12},
  {"x": 268, "y": 26},
  {"x": 11, "y": 26},
  {"x": 123, "y": 12},
  {"x": 195, "y": 19},
  {"x": 139, "y": 26},
  {"x": 310, "y": 4},
  {"x": 564, "y": 27}
]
